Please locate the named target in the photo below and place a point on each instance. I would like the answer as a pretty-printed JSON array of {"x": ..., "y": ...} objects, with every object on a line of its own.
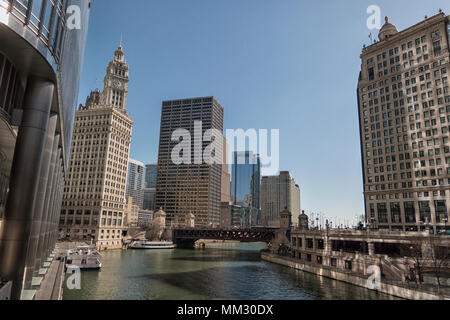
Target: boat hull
[{"x": 152, "y": 248}]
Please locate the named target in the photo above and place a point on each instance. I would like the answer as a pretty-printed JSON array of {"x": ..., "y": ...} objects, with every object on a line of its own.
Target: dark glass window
[
  {"x": 395, "y": 213},
  {"x": 36, "y": 10},
  {"x": 382, "y": 213},
  {"x": 425, "y": 211},
  {"x": 410, "y": 212},
  {"x": 441, "y": 210}
]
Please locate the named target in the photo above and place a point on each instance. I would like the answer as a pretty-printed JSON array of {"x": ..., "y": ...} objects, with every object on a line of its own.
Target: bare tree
[{"x": 438, "y": 257}]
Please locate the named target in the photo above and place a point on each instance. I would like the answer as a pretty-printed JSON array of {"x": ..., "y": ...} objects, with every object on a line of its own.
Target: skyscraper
[
  {"x": 40, "y": 67},
  {"x": 189, "y": 188},
  {"x": 245, "y": 185},
  {"x": 404, "y": 113},
  {"x": 135, "y": 182},
  {"x": 94, "y": 195},
  {"x": 278, "y": 193},
  {"x": 151, "y": 171}
]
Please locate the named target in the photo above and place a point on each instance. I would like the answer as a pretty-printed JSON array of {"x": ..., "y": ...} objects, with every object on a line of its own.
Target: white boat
[
  {"x": 83, "y": 257},
  {"x": 151, "y": 245}
]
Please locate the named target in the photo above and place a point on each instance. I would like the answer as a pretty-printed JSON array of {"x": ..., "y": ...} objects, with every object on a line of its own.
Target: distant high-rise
[
  {"x": 404, "y": 117},
  {"x": 189, "y": 188},
  {"x": 149, "y": 199},
  {"x": 245, "y": 184},
  {"x": 94, "y": 196},
  {"x": 278, "y": 193},
  {"x": 135, "y": 182},
  {"x": 151, "y": 171}
]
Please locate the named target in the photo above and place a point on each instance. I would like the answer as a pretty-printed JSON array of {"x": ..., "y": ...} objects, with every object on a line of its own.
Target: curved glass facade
[{"x": 46, "y": 18}]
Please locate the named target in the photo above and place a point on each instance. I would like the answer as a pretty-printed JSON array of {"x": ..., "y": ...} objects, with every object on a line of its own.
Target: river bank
[{"x": 354, "y": 279}]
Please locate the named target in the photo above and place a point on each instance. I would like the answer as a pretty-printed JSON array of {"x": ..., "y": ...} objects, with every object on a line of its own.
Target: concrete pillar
[
  {"x": 56, "y": 208},
  {"x": 16, "y": 228},
  {"x": 31, "y": 269},
  {"x": 327, "y": 245},
  {"x": 51, "y": 206},
  {"x": 40, "y": 254}
]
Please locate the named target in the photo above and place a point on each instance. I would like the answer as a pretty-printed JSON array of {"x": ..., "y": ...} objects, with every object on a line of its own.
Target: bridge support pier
[{"x": 185, "y": 243}]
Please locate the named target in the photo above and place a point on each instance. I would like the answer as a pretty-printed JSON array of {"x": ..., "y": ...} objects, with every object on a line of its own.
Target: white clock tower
[{"x": 115, "y": 85}]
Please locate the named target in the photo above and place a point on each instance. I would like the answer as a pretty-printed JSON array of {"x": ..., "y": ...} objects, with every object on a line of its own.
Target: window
[
  {"x": 441, "y": 210},
  {"x": 333, "y": 262},
  {"x": 319, "y": 260},
  {"x": 410, "y": 212},
  {"x": 425, "y": 211},
  {"x": 395, "y": 213},
  {"x": 382, "y": 213},
  {"x": 348, "y": 265}
]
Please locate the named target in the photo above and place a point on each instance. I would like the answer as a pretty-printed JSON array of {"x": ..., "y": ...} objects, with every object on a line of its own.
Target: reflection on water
[{"x": 225, "y": 271}]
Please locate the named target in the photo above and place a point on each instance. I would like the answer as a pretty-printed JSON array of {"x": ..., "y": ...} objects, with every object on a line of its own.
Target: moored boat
[
  {"x": 84, "y": 258},
  {"x": 152, "y": 245}
]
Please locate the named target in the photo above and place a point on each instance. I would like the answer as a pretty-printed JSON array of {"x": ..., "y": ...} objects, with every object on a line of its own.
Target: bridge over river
[{"x": 186, "y": 237}]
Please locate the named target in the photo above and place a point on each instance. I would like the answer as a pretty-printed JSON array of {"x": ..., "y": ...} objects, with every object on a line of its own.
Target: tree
[{"x": 438, "y": 256}]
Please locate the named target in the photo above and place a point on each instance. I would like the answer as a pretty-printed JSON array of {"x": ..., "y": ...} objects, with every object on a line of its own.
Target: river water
[{"x": 220, "y": 271}]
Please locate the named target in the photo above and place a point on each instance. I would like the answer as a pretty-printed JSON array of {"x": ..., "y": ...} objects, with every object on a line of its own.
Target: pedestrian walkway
[{"x": 51, "y": 286}]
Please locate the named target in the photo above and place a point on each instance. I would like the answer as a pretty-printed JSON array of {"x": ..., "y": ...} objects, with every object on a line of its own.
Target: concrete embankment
[{"x": 391, "y": 289}]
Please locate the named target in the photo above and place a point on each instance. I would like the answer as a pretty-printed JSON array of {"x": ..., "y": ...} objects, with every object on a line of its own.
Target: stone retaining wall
[{"x": 354, "y": 279}]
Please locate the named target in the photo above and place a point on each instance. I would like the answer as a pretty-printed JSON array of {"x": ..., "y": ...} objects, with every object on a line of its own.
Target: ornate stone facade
[
  {"x": 94, "y": 194},
  {"x": 404, "y": 113}
]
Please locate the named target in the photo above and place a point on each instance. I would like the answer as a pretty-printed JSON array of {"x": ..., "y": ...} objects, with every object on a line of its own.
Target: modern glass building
[
  {"x": 41, "y": 51},
  {"x": 245, "y": 184},
  {"x": 135, "y": 182},
  {"x": 151, "y": 171},
  {"x": 149, "y": 199}
]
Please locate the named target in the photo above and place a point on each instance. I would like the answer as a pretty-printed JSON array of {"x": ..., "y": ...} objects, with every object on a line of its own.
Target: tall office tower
[
  {"x": 40, "y": 67},
  {"x": 94, "y": 195},
  {"x": 278, "y": 193},
  {"x": 195, "y": 187},
  {"x": 245, "y": 185},
  {"x": 150, "y": 175},
  {"x": 404, "y": 118},
  {"x": 135, "y": 182}
]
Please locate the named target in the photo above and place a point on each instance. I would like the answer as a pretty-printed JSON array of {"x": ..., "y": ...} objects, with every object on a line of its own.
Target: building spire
[{"x": 121, "y": 40}]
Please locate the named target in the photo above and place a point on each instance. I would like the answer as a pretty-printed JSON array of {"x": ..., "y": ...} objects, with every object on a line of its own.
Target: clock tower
[{"x": 115, "y": 84}]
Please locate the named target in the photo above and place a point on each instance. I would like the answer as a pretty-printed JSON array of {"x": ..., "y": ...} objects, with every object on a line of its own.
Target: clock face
[{"x": 118, "y": 83}]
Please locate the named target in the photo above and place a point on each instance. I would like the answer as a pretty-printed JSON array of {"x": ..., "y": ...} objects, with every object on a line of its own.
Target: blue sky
[{"x": 273, "y": 64}]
